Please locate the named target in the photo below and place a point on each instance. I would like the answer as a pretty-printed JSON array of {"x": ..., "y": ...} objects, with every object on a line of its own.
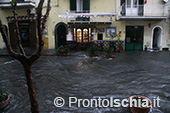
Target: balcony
[
  {"x": 21, "y": 3},
  {"x": 143, "y": 12},
  {"x": 88, "y": 17}
]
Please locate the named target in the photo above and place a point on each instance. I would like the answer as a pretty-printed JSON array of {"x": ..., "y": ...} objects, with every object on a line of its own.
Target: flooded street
[{"x": 130, "y": 73}]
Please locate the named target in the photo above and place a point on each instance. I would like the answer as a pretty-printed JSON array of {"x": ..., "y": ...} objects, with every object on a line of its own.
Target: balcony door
[{"x": 132, "y": 7}]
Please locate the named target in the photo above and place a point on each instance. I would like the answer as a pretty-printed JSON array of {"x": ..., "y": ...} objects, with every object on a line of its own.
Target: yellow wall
[
  {"x": 21, "y": 12},
  {"x": 120, "y": 25},
  {"x": 5, "y": 13},
  {"x": 106, "y": 6},
  {"x": 96, "y": 6},
  {"x": 53, "y": 19}
]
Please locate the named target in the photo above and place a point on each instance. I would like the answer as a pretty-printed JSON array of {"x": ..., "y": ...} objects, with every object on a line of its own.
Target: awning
[
  {"x": 89, "y": 22},
  {"x": 87, "y": 15}
]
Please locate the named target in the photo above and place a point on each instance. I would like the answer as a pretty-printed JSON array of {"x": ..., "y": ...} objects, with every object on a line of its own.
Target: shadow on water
[{"x": 130, "y": 73}]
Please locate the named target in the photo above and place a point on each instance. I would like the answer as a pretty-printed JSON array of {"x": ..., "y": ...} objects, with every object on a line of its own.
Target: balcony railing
[
  {"x": 20, "y": 3},
  {"x": 91, "y": 16},
  {"x": 144, "y": 11}
]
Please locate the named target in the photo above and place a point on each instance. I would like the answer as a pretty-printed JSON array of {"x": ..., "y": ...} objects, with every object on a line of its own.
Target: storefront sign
[
  {"x": 100, "y": 30},
  {"x": 69, "y": 37}
]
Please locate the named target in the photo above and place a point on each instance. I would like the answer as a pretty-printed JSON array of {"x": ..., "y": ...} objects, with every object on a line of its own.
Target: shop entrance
[
  {"x": 27, "y": 33},
  {"x": 82, "y": 36},
  {"x": 134, "y": 37}
]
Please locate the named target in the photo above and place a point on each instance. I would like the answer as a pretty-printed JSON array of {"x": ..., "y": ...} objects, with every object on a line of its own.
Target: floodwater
[{"x": 130, "y": 73}]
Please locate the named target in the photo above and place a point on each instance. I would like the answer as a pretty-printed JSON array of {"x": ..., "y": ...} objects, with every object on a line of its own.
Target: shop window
[
  {"x": 90, "y": 34},
  {"x": 85, "y": 35},
  {"x": 82, "y": 35},
  {"x": 79, "y": 35},
  {"x": 75, "y": 34}
]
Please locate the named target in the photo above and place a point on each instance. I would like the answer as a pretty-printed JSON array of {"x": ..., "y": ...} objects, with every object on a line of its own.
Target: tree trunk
[
  {"x": 31, "y": 89},
  {"x": 28, "y": 61}
]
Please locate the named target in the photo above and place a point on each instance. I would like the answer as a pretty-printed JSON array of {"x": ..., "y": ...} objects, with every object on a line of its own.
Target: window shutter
[
  {"x": 20, "y": 1},
  {"x": 73, "y": 5},
  {"x": 86, "y": 5}
]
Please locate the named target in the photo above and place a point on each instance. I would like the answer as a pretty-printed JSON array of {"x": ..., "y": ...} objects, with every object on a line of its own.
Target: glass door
[
  {"x": 85, "y": 35},
  {"x": 132, "y": 7},
  {"x": 79, "y": 35},
  {"x": 82, "y": 35}
]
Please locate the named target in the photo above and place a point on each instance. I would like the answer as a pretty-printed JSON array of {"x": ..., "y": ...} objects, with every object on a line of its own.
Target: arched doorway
[
  {"x": 61, "y": 31},
  {"x": 156, "y": 38}
]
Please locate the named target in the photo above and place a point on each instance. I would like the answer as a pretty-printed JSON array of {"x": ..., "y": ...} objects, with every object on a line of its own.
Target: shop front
[{"x": 82, "y": 35}]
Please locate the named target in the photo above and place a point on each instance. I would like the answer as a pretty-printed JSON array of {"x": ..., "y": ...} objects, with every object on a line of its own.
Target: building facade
[
  {"x": 147, "y": 23},
  {"x": 26, "y": 19},
  {"x": 137, "y": 23}
]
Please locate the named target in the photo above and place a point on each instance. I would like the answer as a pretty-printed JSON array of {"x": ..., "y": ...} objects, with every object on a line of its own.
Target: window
[
  {"x": 129, "y": 3},
  {"x": 80, "y": 5},
  {"x": 135, "y": 3},
  {"x": 122, "y": 2},
  {"x": 20, "y": 1}
]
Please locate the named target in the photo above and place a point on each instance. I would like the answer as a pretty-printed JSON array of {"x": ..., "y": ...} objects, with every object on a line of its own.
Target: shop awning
[
  {"x": 90, "y": 22},
  {"x": 87, "y": 15},
  {"x": 31, "y": 17}
]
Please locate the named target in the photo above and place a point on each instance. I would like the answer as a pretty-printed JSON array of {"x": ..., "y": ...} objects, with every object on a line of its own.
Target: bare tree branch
[
  {"x": 8, "y": 45},
  {"x": 17, "y": 29},
  {"x": 27, "y": 62},
  {"x": 40, "y": 26},
  {"x": 46, "y": 15}
]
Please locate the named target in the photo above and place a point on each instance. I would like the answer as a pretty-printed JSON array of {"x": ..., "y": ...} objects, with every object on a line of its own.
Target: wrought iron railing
[{"x": 144, "y": 10}]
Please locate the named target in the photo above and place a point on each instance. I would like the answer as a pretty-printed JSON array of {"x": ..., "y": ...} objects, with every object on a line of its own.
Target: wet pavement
[{"x": 130, "y": 73}]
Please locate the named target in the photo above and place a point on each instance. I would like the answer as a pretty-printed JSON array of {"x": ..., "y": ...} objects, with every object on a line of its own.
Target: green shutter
[
  {"x": 73, "y": 5},
  {"x": 86, "y": 5},
  {"x": 20, "y": 1}
]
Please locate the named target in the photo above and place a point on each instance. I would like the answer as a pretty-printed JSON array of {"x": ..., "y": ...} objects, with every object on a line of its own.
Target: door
[
  {"x": 12, "y": 32},
  {"x": 61, "y": 31},
  {"x": 24, "y": 33},
  {"x": 132, "y": 7},
  {"x": 100, "y": 36},
  {"x": 32, "y": 34},
  {"x": 134, "y": 37},
  {"x": 156, "y": 43}
]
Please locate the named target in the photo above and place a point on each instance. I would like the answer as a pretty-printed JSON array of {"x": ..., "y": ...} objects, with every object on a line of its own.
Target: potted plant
[
  {"x": 120, "y": 46},
  {"x": 109, "y": 53},
  {"x": 4, "y": 99},
  {"x": 93, "y": 50},
  {"x": 63, "y": 51},
  {"x": 137, "y": 109}
]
